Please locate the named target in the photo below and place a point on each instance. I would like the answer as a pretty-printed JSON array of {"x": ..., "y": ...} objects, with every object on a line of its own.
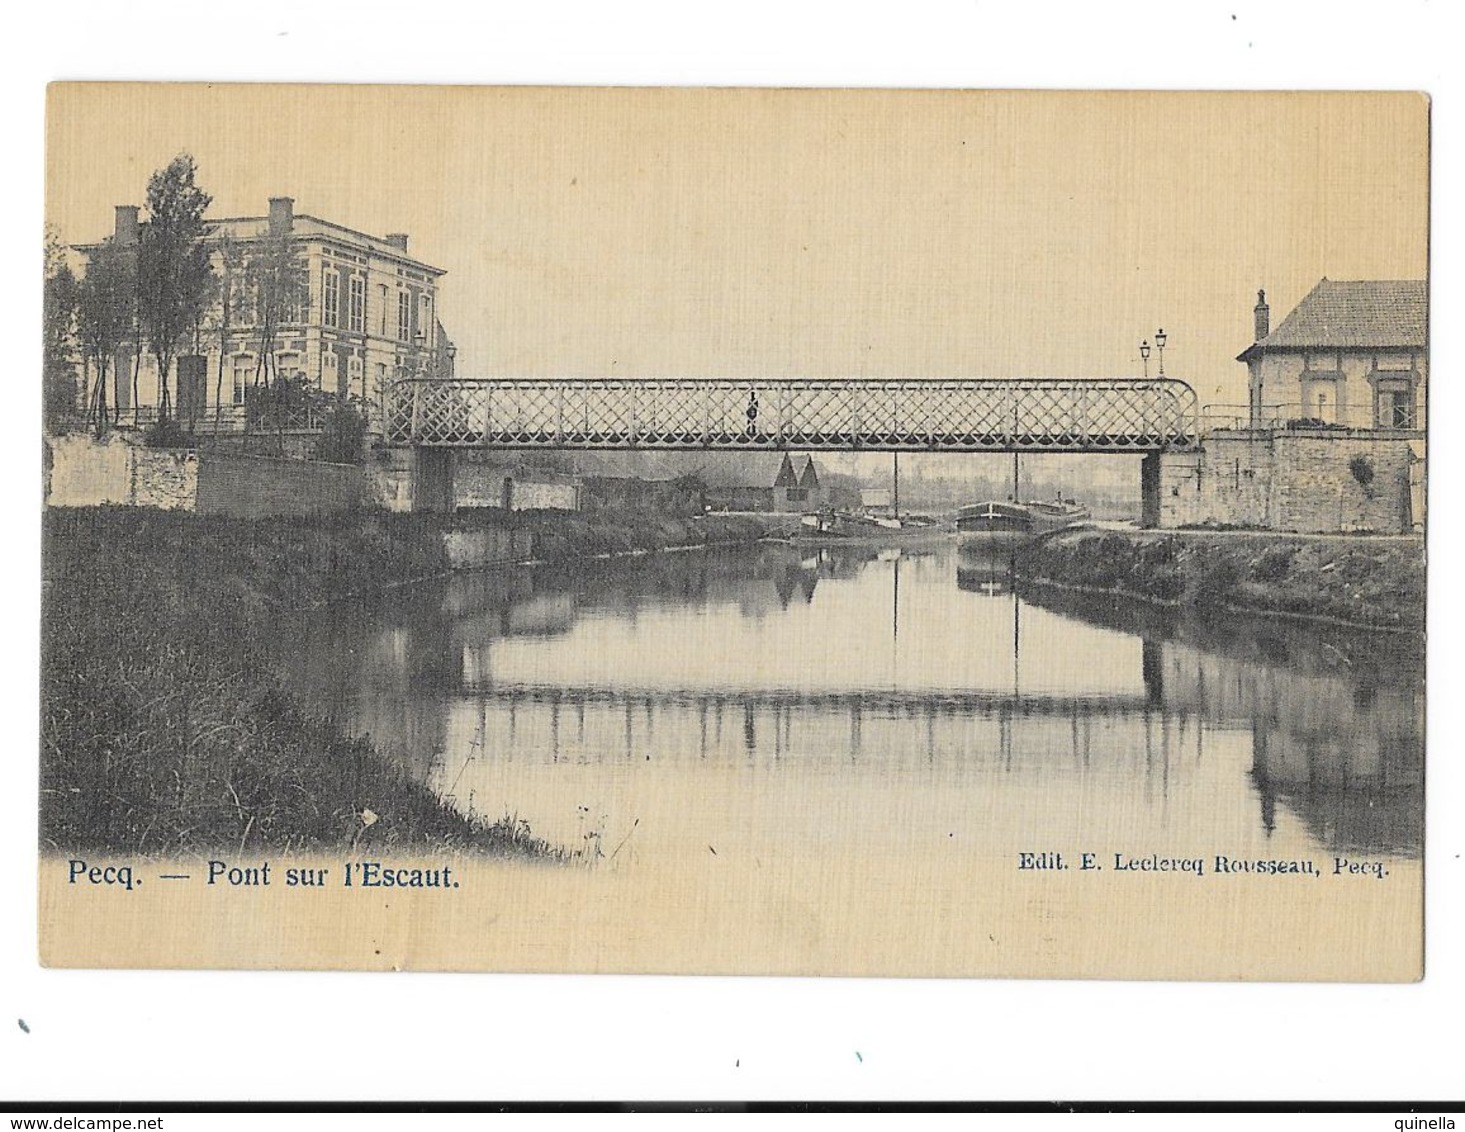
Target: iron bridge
[{"x": 876, "y": 414}]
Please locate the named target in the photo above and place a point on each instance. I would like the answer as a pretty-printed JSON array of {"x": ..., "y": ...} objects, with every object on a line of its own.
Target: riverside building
[
  {"x": 368, "y": 315},
  {"x": 1333, "y": 437}
]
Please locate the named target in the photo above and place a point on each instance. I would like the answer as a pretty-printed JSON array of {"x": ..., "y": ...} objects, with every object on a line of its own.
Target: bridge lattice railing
[{"x": 1055, "y": 414}]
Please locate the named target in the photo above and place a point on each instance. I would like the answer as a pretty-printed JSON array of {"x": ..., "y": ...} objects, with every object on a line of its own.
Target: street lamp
[
  {"x": 1144, "y": 353},
  {"x": 1160, "y": 342}
]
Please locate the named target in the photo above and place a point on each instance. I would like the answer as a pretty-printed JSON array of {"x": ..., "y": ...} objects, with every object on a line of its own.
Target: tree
[
  {"x": 231, "y": 294},
  {"x": 343, "y": 436},
  {"x": 105, "y": 309},
  {"x": 279, "y": 280},
  {"x": 58, "y": 373},
  {"x": 175, "y": 278}
]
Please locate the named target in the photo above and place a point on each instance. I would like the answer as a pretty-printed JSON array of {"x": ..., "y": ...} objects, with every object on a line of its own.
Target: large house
[
  {"x": 369, "y": 317},
  {"x": 1351, "y": 354},
  {"x": 1335, "y": 438}
]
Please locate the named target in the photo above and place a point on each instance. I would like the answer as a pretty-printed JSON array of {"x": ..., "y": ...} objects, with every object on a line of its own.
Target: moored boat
[
  {"x": 994, "y": 521},
  {"x": 829, "y": 525},
  {"x": 1053, "y": 516},
  {"x": 1009, "y": 521}
]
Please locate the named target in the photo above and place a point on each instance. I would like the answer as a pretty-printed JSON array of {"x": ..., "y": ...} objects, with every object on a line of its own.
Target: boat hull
[
  {"x": 994, "y": 522},
  {"x": 979, "y": 538}
]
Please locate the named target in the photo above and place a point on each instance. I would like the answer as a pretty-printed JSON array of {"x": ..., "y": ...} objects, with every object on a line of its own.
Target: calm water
[{"x": 833, "y": 705}]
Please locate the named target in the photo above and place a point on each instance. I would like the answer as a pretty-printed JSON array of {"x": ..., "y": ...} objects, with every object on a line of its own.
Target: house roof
[
  {"x": 809, "y": 477},
  {"x": 786, "y": 475},
  {"x": 1342, "y": 314},
  {"x": 303, "y": 226}
]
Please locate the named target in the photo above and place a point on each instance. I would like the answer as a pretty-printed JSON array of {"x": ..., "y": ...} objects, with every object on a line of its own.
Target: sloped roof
[
  {"x": 1342, "y": 314},
  {"x": 786, "y": 476},
  {"x": 809, "y": 477}
]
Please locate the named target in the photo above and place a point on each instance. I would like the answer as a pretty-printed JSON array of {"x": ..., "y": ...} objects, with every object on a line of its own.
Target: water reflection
[
  {"x": 781, "y": 697},
  {"x": 1335, "y": 716}
]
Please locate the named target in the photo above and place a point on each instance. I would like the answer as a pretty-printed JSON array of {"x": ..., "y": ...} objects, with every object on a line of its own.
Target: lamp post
[
  {"x": 1144, "y": 354},
  {"x": 1160, "y": 343}
]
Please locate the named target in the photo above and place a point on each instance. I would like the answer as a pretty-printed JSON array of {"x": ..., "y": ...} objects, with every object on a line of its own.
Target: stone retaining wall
[
  {"x": 256, "y": 486},
  {"x": 84, "y": 472},
  {"x": 1293, "y": 481}
]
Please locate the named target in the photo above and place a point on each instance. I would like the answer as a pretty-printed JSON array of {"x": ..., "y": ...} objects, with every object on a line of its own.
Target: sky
[{"x": 725, "y": 232}]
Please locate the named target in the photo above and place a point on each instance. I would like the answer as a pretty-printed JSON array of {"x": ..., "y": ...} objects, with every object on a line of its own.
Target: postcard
[{"x": 735, "y": 531}]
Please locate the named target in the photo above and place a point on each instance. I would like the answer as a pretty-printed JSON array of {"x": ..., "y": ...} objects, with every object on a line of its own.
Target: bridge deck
[{"x": 974, "y": 415}]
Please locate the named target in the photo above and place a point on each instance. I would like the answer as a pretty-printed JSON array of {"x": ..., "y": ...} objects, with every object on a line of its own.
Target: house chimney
[
  {"x": 1263, "y": 316},
  {"x": 282, "y": 215},
  {"x": 124, "y": 231},
  {"x": 398, "y": 240}
]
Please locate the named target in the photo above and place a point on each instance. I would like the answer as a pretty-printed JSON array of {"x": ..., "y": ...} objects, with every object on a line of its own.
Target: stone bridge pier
[
  {"x": 433, "y": 479},
  {"x": 1149, "y": 489}
]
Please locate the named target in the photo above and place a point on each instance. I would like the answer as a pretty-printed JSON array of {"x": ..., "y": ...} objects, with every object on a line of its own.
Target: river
[{"x": 841, "y": 708}]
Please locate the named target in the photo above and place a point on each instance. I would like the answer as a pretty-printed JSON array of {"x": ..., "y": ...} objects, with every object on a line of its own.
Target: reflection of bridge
[
  {"x": 872, "y": 702},
  {"x": 938, "y": 415}
]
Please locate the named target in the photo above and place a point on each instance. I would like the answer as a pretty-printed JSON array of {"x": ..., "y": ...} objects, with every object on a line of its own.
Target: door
[{"x": 192, "y": 386}]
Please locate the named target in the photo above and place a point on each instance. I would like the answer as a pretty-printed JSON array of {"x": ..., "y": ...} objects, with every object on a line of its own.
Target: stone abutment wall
[{"x": 1319, "y": 482}]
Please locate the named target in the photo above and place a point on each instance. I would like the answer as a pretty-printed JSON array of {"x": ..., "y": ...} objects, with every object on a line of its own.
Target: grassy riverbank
[
  {"x": 560, "y": 536},
  {"x": 166, "y": 726},
  {"x": 1368, "y": 582}
]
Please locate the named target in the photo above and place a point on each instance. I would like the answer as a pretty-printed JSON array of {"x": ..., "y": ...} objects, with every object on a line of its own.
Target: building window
[
  {"x": 382, "y": 329},
  {"x": 1395, "y": 405},
  {"x": 328, "y": 379},
  {"x": 404, "y": 316},
  {"x": 289, "y": 366},
  {"x": 291, "y": 301},
  {"x": 358, "y": 304},
  {"x": 243, "y": 369},
  {"x": 332, "y": 299}
]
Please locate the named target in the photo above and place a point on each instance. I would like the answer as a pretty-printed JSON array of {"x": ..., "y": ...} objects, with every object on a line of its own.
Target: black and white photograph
[{"x": 735, "y": 531}]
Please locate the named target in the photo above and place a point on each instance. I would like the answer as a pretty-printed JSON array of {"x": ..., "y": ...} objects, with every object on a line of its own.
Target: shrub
[
  {"x": 1274, "y": 564},
  {"x": 1217, "y": 583},
  {"x": 166, "y": 432},
  {"x": 1166, "y": 583},
  {"x": 343, "y": 438}
]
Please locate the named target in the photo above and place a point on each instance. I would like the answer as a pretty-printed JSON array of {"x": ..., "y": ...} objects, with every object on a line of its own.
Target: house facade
[
  {"x": 1334, "y": 440},
  {"x": 1351, "y": 354},
  {"x": 368, "y": 315}
]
